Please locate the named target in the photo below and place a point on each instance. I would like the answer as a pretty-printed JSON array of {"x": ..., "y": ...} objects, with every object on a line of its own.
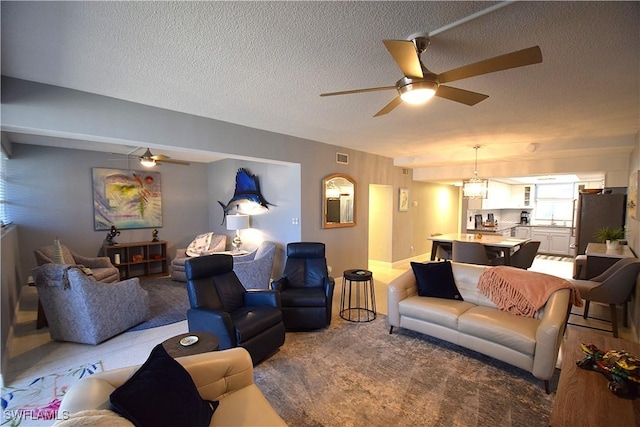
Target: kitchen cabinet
[
  {"x": 521, "y": 196},
  {"x": 554, "y": 241},
  {"x": 523, "y": 232},
  {"x": 498, "y": 197}
]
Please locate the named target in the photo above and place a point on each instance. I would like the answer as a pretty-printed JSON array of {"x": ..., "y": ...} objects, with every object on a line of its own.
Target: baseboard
[{"x": 403, "y": 263}]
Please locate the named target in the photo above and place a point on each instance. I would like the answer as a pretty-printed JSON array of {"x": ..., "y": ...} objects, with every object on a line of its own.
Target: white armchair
[{"x": 218, "y": 243}]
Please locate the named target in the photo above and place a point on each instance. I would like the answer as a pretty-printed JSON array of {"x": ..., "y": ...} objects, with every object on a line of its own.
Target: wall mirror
[{"x": 338, "y": 201}]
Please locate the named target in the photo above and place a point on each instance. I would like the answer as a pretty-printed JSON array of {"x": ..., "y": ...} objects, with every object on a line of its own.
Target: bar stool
[{"x": 356, "y": 311}]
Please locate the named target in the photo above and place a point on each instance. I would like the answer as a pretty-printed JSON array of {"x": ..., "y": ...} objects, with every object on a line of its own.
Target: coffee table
[{"x": 205, "y": 342}]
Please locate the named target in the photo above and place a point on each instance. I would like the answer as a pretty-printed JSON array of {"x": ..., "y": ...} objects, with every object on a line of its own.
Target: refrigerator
[{"x": 595, "y": 211}]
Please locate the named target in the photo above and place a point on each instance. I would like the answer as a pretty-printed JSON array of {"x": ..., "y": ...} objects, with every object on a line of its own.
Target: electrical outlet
[{"x": 295, "y": 221}]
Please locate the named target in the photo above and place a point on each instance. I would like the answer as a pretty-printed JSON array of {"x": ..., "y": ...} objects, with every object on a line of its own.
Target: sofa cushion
[
  {"x": 434, "y": 310},
  {"x": 435, "y": 279},
  {"x": 200, "y": 245},
  {"x": 509, "y": 330},
  {"x": 162, "y": 393}
]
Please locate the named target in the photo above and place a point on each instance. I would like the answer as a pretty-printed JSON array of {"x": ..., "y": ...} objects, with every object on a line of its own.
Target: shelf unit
[{"x": 150, "y": 258}]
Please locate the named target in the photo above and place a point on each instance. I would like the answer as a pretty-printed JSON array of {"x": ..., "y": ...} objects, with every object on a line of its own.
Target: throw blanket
[{"x": 520, "y": 291}]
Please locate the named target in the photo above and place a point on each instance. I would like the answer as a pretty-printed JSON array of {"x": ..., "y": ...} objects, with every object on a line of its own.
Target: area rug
[
  {"x": 168, "y": 302},
  {"x": 36, "y": 402},
  {"x": 357, "y": 374}
]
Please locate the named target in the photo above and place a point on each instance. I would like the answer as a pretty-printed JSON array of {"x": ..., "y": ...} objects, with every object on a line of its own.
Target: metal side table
[{"x": 358, "y": 306}]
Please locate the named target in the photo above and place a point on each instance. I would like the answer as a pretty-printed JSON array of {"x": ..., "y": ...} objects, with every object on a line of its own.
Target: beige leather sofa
[
  {"x": 531, "y": 344},
  {"x": 225, "y": 375}
]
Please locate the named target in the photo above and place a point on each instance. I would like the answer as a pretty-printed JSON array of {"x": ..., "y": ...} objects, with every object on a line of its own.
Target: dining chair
[
  {"x": 613, "y": 287},
  {"x": 523, "y": 257},
  {"x": 473, "y": 253},
  {"x": 444, "y": 249}
]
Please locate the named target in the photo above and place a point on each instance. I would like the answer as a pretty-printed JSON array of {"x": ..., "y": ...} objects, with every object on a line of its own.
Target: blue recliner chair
[
  {"x": 222, "y": 306},
  {"x": 306, "y": 290}
]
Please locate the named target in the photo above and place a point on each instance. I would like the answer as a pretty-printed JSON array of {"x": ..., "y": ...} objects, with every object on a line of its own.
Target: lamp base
[{"x": 236, "y": 243}]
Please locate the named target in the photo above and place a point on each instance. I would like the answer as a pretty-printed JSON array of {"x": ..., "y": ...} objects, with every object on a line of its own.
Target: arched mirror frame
[{"x": 325, "y": 204}]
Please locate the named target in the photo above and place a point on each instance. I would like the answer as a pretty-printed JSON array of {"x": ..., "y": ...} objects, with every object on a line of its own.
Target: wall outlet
[{"x": 295, "y": 221}]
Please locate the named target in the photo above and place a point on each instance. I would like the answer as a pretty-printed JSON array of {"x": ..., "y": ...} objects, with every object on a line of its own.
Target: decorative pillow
[
  {"x": 435, "y": 279},
  {"x": 200, "y": 246},
  {"x": 161, "y": 393}
]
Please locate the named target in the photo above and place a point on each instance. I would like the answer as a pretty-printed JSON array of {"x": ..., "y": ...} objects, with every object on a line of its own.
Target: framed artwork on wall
[
  {"x": 126, "y": 199},
  {"x": 403, "y": 199}
]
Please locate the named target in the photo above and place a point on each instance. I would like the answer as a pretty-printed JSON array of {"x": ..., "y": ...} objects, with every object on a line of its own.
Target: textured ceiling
[{"x": 264, "y": 64}]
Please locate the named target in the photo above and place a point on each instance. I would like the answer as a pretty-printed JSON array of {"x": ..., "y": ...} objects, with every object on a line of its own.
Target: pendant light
[{"x": 475, "y": 187}]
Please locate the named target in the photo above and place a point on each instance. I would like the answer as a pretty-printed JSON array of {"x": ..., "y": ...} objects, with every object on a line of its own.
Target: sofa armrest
[
  {"x": 181, "y": 253},
  {"x": 550, "y": 332},
  {"x": 93, "y": 262},
  {"x": 215, "y": 374},
  {"x": 400, "y": 288}
]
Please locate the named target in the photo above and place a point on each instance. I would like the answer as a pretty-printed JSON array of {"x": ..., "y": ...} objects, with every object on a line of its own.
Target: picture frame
[
  {"x": 403, "y": 199},
  {"x": 126, "y": 199}
]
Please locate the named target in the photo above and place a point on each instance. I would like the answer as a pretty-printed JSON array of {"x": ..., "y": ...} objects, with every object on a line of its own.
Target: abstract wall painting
[{"x": 126, "y": 198}]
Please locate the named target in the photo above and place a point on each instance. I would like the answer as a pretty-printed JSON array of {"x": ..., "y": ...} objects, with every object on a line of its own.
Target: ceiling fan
[
  {"x": 419, "y": 84},
  {"x": 150, "y": 160}
]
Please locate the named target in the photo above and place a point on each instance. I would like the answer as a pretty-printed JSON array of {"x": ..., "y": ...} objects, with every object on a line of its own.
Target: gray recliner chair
[
  {"x": 255, "y": 269},
  {"x": 101, "y": 267},
  {"x": 81, "y": 309}
]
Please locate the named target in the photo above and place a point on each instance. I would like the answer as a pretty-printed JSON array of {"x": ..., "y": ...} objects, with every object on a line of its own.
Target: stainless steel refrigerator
[{"x": 595, "y": 211}]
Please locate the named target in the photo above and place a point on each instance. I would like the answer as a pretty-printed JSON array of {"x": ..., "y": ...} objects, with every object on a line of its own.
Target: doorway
[{"x": 380, "y": 223}]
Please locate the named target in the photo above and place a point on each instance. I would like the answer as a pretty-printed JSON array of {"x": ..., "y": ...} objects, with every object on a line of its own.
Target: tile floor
[{"x": 32, "y": 353}]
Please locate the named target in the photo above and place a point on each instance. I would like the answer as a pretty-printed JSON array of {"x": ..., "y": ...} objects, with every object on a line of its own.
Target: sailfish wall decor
[{"x": 247, "y": 195}]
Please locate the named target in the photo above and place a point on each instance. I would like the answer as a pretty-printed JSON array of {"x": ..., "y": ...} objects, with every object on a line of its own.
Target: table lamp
[{"x": 237, "y": 222}]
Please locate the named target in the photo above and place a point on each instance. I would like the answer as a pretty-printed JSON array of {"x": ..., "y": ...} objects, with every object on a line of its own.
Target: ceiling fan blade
[
  {"x": 405, "y": 55},
  {"x": 176, "y": 162},
  {"x": 389, "y": 107},
  {"x": 460, "y": 95},
  {"x": 348, "y": 92},
  {"x": 520, "y": 58},
  {"x": 160, "y": 157}
]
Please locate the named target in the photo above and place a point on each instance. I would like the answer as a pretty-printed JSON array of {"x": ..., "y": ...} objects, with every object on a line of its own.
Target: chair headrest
[
  {"x": 305, "y": 250},
  {"x": 208, "y": 266}
]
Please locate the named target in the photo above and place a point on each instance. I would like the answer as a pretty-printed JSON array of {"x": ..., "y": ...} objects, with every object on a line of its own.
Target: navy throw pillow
[
  {"x": 435, "y": 279},
  {"x": 161, "y": 393}
]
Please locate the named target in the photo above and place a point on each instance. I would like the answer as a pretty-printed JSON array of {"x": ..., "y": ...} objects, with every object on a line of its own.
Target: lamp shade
[{"x": 237, "y": 222}]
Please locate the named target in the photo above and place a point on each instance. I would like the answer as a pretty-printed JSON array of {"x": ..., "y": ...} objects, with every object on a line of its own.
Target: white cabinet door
[
  {"x": 523, "y": 232},
  {"x": 559, "y": 243},
  {"x": 543, "y": 237}
]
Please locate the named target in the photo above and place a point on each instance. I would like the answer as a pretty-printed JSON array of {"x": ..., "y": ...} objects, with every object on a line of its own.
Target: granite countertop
[{"x": 496, "y": 229}]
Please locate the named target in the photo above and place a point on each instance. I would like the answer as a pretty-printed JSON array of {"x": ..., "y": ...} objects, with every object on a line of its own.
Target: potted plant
[{"x": 610, "y": 236}]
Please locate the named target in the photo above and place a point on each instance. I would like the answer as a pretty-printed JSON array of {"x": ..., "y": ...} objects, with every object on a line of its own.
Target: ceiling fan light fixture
[
  {"x": 147, "y": 159},
  {"x": 418, "y": 92}
]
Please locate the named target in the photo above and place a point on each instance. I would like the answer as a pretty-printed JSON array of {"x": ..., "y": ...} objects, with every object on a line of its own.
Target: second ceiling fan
[
  {"x": 419, "y": 84},
  {"x": 150, "y": 160}
]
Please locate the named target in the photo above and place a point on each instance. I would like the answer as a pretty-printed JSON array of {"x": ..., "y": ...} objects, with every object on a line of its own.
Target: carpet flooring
[
  {"x": 357, "y": 374},
  {"x": 168, "y": 302}
]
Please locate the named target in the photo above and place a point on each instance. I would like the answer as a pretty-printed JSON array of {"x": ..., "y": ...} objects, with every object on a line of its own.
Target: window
[{"x": 554, "y": 202}]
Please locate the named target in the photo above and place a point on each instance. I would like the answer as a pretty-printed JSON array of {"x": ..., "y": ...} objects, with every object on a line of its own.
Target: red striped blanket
[{"x": 522, "y": 292}]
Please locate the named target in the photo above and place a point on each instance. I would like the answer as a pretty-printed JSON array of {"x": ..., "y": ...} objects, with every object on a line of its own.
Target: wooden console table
[
  {"x": 139, "y": 258},
  {"x": 583, "y": 397},
  {"x": 599, "y": 258}
]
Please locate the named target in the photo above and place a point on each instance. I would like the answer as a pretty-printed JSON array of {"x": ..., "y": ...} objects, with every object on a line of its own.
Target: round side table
[
  {"x": 206, "y": 342},
  {"x": 360, "y": 307}
]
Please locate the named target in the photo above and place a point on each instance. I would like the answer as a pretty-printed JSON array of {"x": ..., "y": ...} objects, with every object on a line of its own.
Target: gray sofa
[
  {"x": 81, "y": 309},
  {"x": 531, "y": 344}
]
